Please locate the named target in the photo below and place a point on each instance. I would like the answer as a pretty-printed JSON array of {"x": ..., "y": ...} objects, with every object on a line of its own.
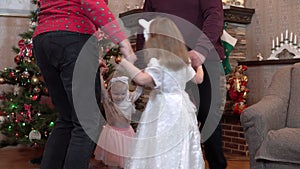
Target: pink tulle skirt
[{"x": 113, "y": 145}]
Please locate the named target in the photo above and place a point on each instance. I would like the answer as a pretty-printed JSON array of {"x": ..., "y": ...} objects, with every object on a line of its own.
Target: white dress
[{"x": 167, "y": 136}]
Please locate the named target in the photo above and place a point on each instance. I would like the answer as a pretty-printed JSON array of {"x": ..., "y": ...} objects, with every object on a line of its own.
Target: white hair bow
[
  {"x": 123, "y": 79},
  {"x": 146, "y": 25}
]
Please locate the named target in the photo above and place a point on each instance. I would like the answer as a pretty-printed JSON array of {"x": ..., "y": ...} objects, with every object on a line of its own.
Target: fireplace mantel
[
  {"x": 231, "y": 14},
  {"x": 239, "y": 15}
]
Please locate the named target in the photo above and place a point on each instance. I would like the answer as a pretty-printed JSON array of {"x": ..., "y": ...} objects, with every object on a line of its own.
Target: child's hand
[
  {"x": 103, "y": 66},
  {"x": 199, "y": 75}
]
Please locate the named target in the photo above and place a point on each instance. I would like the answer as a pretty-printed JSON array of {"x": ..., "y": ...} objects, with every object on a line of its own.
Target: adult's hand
[
  {"x": 127, "y": 51},
  {"x": 196, "y": 58}
]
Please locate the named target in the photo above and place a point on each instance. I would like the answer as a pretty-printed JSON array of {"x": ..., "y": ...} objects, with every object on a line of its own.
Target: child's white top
[
  {"x": 127, "y": 106},
  {"x": 119, "y": 115}
]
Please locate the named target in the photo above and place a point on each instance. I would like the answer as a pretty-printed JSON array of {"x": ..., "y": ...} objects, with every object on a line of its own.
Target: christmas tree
[{"x": 26, "y": 119}]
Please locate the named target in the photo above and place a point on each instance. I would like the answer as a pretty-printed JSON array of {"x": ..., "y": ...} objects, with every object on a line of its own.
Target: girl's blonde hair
[{"x": 166, "y": 44}]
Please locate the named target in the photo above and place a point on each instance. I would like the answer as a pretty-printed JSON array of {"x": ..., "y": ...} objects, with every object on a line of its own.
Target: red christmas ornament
[
  {"x": 17, "y": 59},
  {"x": 12, "y": 75},
  {"x": 21, "y": 43},
  {"x": 34, "y": 98}
]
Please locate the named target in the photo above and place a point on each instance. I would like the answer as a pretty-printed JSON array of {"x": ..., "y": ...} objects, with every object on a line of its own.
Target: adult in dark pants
[
  {"x": 67, "y": 54},
  {"x": 208, "y": 16}
]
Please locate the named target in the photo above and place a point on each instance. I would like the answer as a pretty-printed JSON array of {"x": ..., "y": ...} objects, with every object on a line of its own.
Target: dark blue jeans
[
  {"x": 213, "y": 145},
  {"x": 69, "y": 65}
]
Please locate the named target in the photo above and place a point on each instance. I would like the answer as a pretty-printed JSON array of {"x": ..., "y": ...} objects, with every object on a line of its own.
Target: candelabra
[{"x": 288, "y": 43}]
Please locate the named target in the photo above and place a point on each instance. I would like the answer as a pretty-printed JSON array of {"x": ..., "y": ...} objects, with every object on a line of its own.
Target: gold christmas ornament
[
  {"x": 118, "y": 59},
  {"x": 2, "y": 80},
  {"x": 34, "y": 80}
]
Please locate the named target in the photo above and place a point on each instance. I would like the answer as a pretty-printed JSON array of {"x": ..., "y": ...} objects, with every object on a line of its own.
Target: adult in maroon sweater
[
  {"x": 208, "y": 16},
  {"x": 67, "y": 53}
]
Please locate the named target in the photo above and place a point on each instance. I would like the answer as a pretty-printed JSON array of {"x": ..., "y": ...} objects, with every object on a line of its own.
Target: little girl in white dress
[
  {"x": 116, "y": 135},
  {"x": 168, "y": 136}
]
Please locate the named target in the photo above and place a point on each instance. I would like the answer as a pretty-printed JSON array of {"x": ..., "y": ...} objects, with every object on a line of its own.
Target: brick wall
[{"x": 234, "y": 141}]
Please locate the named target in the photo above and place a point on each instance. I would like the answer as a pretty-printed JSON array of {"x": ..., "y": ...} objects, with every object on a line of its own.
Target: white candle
[
  {"x": 286, "y": 34},
  {"x": 291, "y": 37},
  {"x": 273, "y": 44},
  {"x": 277, "y": 41},
  {"x": 295, "y": 39},
  {"x": 281, "y": 37}
]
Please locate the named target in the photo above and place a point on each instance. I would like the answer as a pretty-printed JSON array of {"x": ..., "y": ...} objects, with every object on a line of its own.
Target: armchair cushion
[
  {"x": 280, "y": 146},
  {"x": 293, "y": 116}
]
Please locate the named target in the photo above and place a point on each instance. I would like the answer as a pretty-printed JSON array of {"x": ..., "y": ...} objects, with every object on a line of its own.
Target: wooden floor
[{"x": 18, "y": 158}]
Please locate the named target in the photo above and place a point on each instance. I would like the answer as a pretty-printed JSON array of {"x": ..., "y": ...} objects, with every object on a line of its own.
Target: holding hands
[
  {"x": 103, "y": 67},
  {"x": 126, "y": 50},
  {"x": 197, "y": 60}
]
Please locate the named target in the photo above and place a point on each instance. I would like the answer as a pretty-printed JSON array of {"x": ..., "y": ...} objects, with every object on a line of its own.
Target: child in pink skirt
[{"x": 117, "y": 134}]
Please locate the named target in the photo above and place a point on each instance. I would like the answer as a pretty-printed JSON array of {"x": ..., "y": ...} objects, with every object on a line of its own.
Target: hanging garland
[{"x": 237, "y": 89}]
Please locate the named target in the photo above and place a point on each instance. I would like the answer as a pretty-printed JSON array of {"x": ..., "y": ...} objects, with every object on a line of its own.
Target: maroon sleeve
[
  {"x": 212, "y": 13},
  {"x": 147, "y": 6},
  {"x": 140, "y": 40}
]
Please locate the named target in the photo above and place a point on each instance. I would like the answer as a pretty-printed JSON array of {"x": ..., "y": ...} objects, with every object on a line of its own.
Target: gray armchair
[{"x": 272, "y": 125}]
